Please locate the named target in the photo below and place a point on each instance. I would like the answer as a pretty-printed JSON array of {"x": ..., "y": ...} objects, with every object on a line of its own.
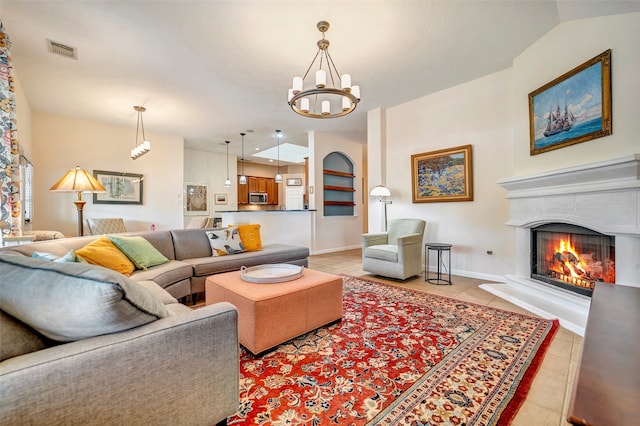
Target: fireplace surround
[{"x": 604, "y": 198}]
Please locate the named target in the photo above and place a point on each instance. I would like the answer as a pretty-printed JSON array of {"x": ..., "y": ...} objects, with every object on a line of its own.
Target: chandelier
[
  {"x": 143, "y": 147},
  {"x": 324, "y": 99}
]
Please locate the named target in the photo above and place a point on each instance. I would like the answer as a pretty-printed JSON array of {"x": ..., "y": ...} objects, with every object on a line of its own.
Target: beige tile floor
[{"x": 548, "y": 399}]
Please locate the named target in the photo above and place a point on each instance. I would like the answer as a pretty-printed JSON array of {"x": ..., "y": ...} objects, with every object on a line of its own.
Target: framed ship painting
[
  {"x": 444, "y": 175},
  {"x": 573, "y": 108}
]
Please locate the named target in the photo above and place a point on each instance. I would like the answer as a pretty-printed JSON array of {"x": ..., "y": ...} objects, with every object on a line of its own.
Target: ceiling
[{"x": 208, "y": 70}]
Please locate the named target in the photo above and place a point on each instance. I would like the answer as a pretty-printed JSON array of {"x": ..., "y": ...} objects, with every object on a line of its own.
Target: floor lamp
[
  {"x": 382, "y": 191},
  {"x": 78, "y": 180}
]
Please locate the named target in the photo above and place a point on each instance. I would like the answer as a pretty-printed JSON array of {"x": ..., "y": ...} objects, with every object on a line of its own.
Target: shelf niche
[{"x": 338, "y": 185}]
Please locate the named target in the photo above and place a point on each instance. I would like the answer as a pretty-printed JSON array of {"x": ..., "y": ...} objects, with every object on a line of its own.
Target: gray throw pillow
[{"x": 73, "y": 301}]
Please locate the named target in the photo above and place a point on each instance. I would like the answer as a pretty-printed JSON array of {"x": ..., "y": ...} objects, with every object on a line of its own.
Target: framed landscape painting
[
  {"x": 122, "y": 188},
  {"x": 573, "y": 108},
  {"x": 444, "y": 175},
  {"x": 196, "y": 199}
]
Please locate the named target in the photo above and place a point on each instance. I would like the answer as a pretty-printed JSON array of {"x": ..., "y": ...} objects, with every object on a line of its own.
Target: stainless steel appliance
[{"x": 258, "y": 198}]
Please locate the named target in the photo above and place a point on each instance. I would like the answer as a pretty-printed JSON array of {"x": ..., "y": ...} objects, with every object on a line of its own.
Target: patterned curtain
[{"x": 10, "y": 211}]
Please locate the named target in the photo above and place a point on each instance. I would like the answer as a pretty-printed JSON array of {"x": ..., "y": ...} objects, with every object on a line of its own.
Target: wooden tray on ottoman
[{"x": 270, "y": 314}]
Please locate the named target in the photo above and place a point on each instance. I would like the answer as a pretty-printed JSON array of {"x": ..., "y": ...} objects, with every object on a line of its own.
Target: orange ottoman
[{"x": 270, "y": 314}]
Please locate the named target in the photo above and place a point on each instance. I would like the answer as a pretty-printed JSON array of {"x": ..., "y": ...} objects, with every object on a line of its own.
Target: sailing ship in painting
[{"x": 558, "y": 122}]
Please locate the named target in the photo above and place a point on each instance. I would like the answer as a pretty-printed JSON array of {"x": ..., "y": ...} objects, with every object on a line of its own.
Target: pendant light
[
  {"x": 243, "y": 178},
  {"x": 278, "y": 175},
  {"x": 227, "y": 183},
  {"x": 143, "y": 147}
]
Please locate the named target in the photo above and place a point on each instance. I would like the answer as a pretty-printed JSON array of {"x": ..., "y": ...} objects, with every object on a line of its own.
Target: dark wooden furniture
[
  {"x": 607, "y": 386},
  {"x": 440, "y": 278}
]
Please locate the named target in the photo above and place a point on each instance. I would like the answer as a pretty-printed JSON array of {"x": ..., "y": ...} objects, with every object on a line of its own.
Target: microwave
[{"x": 257, "y": 198}]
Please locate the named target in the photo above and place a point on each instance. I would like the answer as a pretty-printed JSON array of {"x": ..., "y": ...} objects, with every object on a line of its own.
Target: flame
[{"x": 575, "y": 269}]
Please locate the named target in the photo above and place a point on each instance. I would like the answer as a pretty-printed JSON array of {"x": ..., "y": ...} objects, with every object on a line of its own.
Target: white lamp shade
[
  {"x": 346, "y": 103},
  {"x": 227, "y": 183},
  {"x": 278, "y": 178},
  {"x": 304, "y": 104},
  {"x": 297, "y": 84},
  {"x": 355, "y": 91},
  {"x": 243, "y": 180},
  {"x": 326, "y": 107},
  {"x": 345, "y": 80},
  {"x": 321, "y": 79},
  {"x": 380, "y": 191}
]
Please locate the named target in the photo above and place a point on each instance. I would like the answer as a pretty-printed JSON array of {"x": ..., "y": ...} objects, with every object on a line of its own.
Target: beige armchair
[
  {"x": 198, "y": 222},
  {"x": 100, "y": 226},
  {"x": 396, "y": 253}
]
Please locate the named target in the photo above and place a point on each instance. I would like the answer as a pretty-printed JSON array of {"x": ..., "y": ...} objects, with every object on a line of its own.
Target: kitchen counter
[
  {"x": 265, "y": 211},
  {"x": 294, "y": 227}
]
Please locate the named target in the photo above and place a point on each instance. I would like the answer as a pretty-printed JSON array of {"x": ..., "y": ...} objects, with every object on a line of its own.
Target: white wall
[
  {"x": 211, "y": 168},
  {"x": 61, "y": 143},
  {"x": 474, "y": 113},
  {"x": 334, "y": 233},
  {"x": 491, "y": 114},
  {"x": 562, "y": 49}
]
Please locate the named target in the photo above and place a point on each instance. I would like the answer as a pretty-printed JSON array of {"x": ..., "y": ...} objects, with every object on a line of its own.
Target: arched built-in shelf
[{"x": 338, "y": 185}]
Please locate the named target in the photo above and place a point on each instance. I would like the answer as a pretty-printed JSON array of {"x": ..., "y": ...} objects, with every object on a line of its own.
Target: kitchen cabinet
[{"x": 258, "y": 184}]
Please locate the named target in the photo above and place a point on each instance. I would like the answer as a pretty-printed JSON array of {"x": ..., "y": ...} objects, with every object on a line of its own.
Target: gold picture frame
[
  {"x": 586, "y": 94},
  {"x": 443, "y": 175}
]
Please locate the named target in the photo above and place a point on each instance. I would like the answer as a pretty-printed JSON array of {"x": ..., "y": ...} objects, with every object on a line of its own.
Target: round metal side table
[{"x": 442, "y": 273}]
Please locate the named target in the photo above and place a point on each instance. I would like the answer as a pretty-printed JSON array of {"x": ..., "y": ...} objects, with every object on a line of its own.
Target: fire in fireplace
[{"x": 572, "y": 257}]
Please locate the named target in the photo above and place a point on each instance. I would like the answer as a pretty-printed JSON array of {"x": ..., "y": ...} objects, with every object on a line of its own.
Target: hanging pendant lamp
[
  {"x": 227, "y": 183},
  {"x": 278, "y": 175},
  {"x": 243, "y": 178},
  {"x": 143, "y": 147}
]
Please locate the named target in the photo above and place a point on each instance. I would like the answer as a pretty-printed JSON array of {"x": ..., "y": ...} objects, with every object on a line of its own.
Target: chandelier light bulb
[
  {"x": 355, "y": 91},
  {"x": 345, "y": 81},
  {"x": 326, "y": 108},
  {"x": 304, "y": 105},
  {"x": 321, "y": 79},
  {"x": 297, "y": 85}
]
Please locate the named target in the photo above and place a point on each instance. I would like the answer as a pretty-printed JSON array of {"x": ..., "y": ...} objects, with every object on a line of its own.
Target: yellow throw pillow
[
  {"x": 250, "y": 236},
  {"x": 104, "y": 253}
]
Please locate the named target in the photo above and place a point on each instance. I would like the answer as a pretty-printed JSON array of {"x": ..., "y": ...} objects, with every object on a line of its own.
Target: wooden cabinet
[
  {"x": 272, "y": 191},
  {"x": 258, "y": 184},
  {"x": 243, "y": 193}
]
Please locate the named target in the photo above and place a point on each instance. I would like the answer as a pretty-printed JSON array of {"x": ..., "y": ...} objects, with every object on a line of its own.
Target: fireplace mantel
[{"x": 602, "y": 196}]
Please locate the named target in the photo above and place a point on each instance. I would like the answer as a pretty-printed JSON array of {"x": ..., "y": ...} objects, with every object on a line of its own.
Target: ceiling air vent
[{"x": 62, "y": 49}]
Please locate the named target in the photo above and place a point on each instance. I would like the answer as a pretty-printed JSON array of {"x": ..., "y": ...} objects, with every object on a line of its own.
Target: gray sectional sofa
[
  {"x": 190, "y": 257},
  {"x": 178, "y": 366}
]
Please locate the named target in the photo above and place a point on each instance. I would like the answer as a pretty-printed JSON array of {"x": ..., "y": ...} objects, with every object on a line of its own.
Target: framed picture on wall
[
  {"x": 196, "y": 199},
  {"x": 573, "y": 108},
  {"x": 122, "y": 188},
  {"x": 443, "y": 175},
  {"x": 220, "y": 198}
]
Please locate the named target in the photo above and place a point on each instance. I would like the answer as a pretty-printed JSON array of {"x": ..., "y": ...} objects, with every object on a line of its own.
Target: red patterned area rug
[{"x": 398, "y": 356}]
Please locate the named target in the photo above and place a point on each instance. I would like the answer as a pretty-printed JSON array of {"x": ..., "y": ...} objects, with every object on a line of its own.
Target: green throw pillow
[{"x": 139, "y": 251}]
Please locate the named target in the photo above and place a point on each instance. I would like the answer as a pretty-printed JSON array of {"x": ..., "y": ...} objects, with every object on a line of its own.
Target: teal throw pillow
[{"x": 139, "y": 251}]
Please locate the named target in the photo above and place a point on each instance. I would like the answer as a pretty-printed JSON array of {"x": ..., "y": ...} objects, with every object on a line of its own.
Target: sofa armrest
[
  {"x": 409, "y": 246},
  {"x": 374, "y": 239},
  {"x": 183, "y": 369}
]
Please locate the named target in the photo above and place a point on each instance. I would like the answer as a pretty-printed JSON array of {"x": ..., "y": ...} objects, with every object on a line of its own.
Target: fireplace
[
  {"x": 572, "y": 257},
  {"x": 598, "y": 206}
]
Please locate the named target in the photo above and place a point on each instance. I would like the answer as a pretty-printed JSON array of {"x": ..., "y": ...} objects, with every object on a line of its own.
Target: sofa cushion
[
  {"x": 383, "y": 252},
  {"x": 104, "y": 253},
  {"x": 17, "y": 338},
  {"x": 225, "y": 241},
  {"x": 138, "y": 250},
  {"x": 165, "y": 274},
  {"x": 250, "y": 236},
  {"x": 73, "y": 301}
]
